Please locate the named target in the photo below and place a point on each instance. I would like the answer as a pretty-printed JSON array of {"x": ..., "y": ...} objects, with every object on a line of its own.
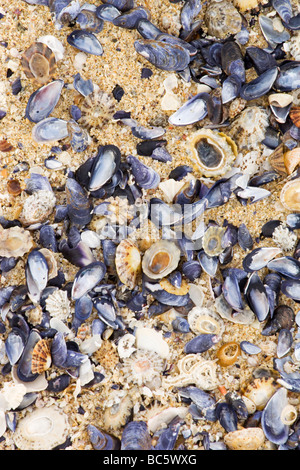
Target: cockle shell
[
  {"x": 276, "y": 160},
  {"x": 41, "y": 357},
  {"x": 39, "y": 62},
  {"x": 42, "y": 429},
  {"x": 245, "y": 439},
  {"x": 128, "y": 262},
  {"x": 15, "y": 242},
  {"x": 290, "y": 195},
  {"x": 212, "y": 152},
  {"x": 291, "y": 159},
  {"x": 160, "y": 259}
]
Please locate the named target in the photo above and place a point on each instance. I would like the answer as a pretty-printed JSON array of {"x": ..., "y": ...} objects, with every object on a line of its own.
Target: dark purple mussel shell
[
  {"x": 260, "y": 86},
  {"x": 163, "y": 55},
  {"x": 136, "y": 436},
  {"x": 85, "y": 41},
  {"x": 43, "y": 101},
  {"x": 102, "y": 440},
  {"x": 78, "y": 203}
]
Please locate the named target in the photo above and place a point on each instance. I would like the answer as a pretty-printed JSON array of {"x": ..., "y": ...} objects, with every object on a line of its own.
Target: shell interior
[
  {"x": 204, "y": 320},
  {"x": 212, "y": 241},
  {"x": 39, "y": 62},
  {"x": 160, "y": 259},
  {"x": 290, "y": 195}
]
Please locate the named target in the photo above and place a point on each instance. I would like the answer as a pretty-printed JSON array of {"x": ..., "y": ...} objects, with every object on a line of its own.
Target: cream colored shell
[
  {"x": 221, "y": 148},
  {"x": 245, "y": 439},
  {"x": 128, "y": 262},
  {"x": 160, "y": 259},
  {"x": 15, "y": 242},
  {"x": 37, "y": 207},
  {"x": 290, "y": 195},
  {"x": 204, "y": 320}
]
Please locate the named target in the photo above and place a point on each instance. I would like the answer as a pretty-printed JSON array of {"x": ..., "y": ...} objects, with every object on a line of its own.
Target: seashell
[
  {"x": 262, "y": 60},
  {"x": 259, "y": 258},
  {"x": 147, "y": 29},
  {"x": 160, "y": 259},
  {"x": 78, "y": 203},
  {"x": 212, "y": 240},
  {"x": 231, "y": 291},
  {"x": 49, "y": 130},
  {"x": 289, "y": 415},
  {"x": 249, "y": 127},
  {"x": 122, "y": 5},
  {"x": 136, "y": 436},
  {"x": 14, "y": 346},
  {"x": 245, "y": 439},
  {"x": 274, "y": 429},
  {"x": 130, "y": 19},
  {"x": 39, "y": 62},
  {"x": 104, "y": 166},
  {"x": 54, "y": 44},
  {"x": 256, "y": 297},
  {"x": 144, "y": 176},
  {"x": 142, "y": 366},
  {"x": 295, "y": 115},
  {"x": 287, "y": 266},
  {"x": 212, "y": 152},
  {"x": 41, "y": 357},
  {"x": 51, "y": 262},
  {"x": 168, "y": 437},
  {"x": 57, "y": 304},
  {"x": 231, "y": 88},
  {"x": 284, "y": 9},
  {"x": 276, "y": 160},
  {"x": 290, "y": 195},
  {"x": 23, "y": 368},
  {"x": 288, "y": 77},
  {"x": 87, "y": 278},
  {"x": 41, "y": 429},
  {"x": 172, "y": 288},
  {"x": 151, "y": 340},
  {"x": 97, "y": 109},
  {"x": 14, "y": 187},
  {"x": 285, "y": 341},
  {"x": 101, "y": 440},
  {"x": 15, "y": 242},
  {"x": 245, "y": 5},
  {"x": 163, "y": 55},
  {"x": 37, "y": 207},
  {"x": 228, "y": 354},
  {"x": 88, "y": 20},
  {"x": 6, "y": 146},
  {"x": 260, "y": 390},
  {"x": 85, "y": 41},
  {"x": 203, "y": 320},
  {"x": 272, "y": 35},
  {"x": 79, "y": 138},
  {"x": 36, "y": 271},
  {"x": 232, "y": 60},
  {"x": 222, "y": 19},
  {"x": 192, "y": 111},
  {"x": 42, "y": 102},
  {"x": 201, "y": 343},
  {"x": 280, "y": 100},
  {"x": 291, "y": 160},
  {"x": 47, "y": 238},
  {"x": 260, "y": 86},
  {"x": 107, "y": 12},
  {"x": 227, "y": 416},
  {"x": 128, "y": 262}
]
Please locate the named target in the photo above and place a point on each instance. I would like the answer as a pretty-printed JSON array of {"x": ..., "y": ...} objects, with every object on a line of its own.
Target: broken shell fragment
[
  {"x": 212, "y": 152},
  {"x": 295, "y": 115},
  {"x": 37, "y": 207},
  {"x": 42, "y": 429},
  {"x": 228, "y": 353},
  {"x": 212, "y": 240},
  {"x": 15, "y": 242},
  {"x": 291, "y": 160},
  {"x": 160, "y": 259},
  {"x": 245, "y": 439},
  {"x": 128, "y": 262},
  {"x": 290, "y": 195}
]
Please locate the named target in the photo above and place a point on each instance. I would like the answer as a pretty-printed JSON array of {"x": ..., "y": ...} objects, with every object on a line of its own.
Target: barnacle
[
  {"x": 284, "y": 237},
  {"x": 204, "y": 320},
  {"x": 37, "y": 207},
  {"x": 222, "y": 19},
  {"x": 116, "y": 415},
  {"x": 97, "y": 109},
  {"x": 212, "y": 152},
  {"x": 249, "y": 128},
  {"x": 58, "y": 304},
  {"x": 245, "y": 439},
  {"x": 15, "y": 242},
  {"x": 142, "y": 366}
]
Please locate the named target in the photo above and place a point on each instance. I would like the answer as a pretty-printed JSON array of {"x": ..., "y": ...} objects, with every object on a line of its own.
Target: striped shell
[
  {"x": 39, "y": 62},
  {"x": 41, "y": 357},
  {"x": 295, "y": 115},
  {"x": 128, "y": 262},
  {"x": 290, "y": 195}
]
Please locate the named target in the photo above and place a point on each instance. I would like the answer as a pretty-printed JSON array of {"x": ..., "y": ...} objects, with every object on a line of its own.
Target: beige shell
[
  {"x": 97, "y": 109},
  {"x": 37, "y": 207},
  {"x": 160, "y": 259},
  {"x": 168, "y": 287},
  {"x": 15, "y": 242},
  {"x": 41, "y": 357},
  {"x": 260, "y": 391},
  {"x": 41, "y": 429},
  {"x": 295, "y": 115},
  {"x": 212, "y": 240},
  {"x": 245, "y": 439},
  {"x": 290, "y": 195},
  {"x": 204, "y": 320},
  {"x": 142, "y": 366},
  {"x": 222, "y": 19},
  {"x": 39, "y": 62},
  {"x": 289, "y": 415},
  {"x": 280, "y": 100},
  {"x": 51, "y": 262},
  {"x": 212, "y": 152},
  {"x": 249, "y": 127},
  {"x": 276, "y": 160},
  {"x": 128, "y": 262},
  {"x": 291, "y": 160}
]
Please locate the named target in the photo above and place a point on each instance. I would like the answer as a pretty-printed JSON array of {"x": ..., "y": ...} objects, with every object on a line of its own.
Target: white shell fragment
[
  {"x": 151, "y": 340},
  {"x": 54, "y": 44},
  {"x": 42, "y": 429}
]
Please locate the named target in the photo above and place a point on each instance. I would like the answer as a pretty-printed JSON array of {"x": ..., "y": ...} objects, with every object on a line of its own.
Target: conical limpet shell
[
  {"x": 128, "y": 262},
  {"x": 291, "y": 159},
  {"x": 42, "y": 429},
  {"x": 15, "y": 242},
  {"x": 204, "y": 320},
  {"x": 160, "y": 259},
  {"x": 290, "y": 195}
]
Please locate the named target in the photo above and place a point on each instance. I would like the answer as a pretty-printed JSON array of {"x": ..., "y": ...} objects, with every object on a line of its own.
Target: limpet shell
[
  {"x": 295, "y": 115},
  {"x": 245, "y": 439},
  {"x": 212, "y": 152},
  {"x": 291, "y": 159},
  {"x": 260, "y": 391},
  {"x": 212, "y": 240},
  {"x": 222, "y": 19},
  {"x": 42, "y": 429},
  {"x": 204, "y": 320},
  {"x": 290, "y": 195},
  {"x": 97, "y": 109},
  {"x": 15, "y": 242},
  {"x": 128, "y": 262},
  {"x": 142, "y": 366},
  {"x": 160, "y": 259},
  {"x": 41, "y": 357},
  {"x": 39, "y": 62}
]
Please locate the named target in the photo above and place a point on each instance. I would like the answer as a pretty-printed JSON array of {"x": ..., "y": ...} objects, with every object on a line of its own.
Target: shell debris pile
[{"x": 149, "y": 224}]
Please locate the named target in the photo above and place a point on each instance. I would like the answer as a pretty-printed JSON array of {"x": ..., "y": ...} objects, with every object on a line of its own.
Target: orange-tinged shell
[
  {"x": 261, "y": 390},
  {"x": 39, "y": 62},
  {"x": 228, "y": 354},
  {"x": 15, "y": 242},
  {"x": 245, "y": 439},
  {"x": 291, "y": 160},
  {"x": 6, "y": 146},
  {"x": 41, "y": 357},
  {"x": 168, "y": 287},
  {"x": 290, "y": 195},
  {"x": 128, "y": 262},
  {"x": 295, "y": 115},
  {"x": 276, "y": 160}
]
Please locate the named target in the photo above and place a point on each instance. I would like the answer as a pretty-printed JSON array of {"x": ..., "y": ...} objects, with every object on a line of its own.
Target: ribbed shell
[
  {"x": 128, "y": 262},
  {"x": 39, "y": 62},
  {"x": 41, "y": 357}
]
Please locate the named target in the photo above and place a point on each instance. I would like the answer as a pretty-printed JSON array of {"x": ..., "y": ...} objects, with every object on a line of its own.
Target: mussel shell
[
  {"x": 261, "y": 59},
  {"x": 130, "y": 19},
  {"x": 194, "y": 110},
  {"x": 256, "y": 296},
  {"x": 101, "y": 440},
  {"x": 104, "y": 165},
  {"x": 36, "y": 274},
  {"x": 288, "y": 77},
  {"x": 274, "y": 429},
  {"x": 284, "y": 9},
  {"x": 136, "y": 436},
  {"x": 85, "y": 41},
  {"x": 14, "y": 346},
  {"x": 87, "y": 278},
  {"x": 122, "y": 5},
  {"x": 291, "y": 289},
  {"x": 59, "y": 350},
  {"x": 286, "y": 266},
  {"x": 42, "y": 102},
  {"x": 260, "y": 86},
  {"x": 24, "y": 365},
  {"x": 232, "y": 60},
  {"x": 163, "y": 55},
  {"x": 227, "y": 416},
  {"x": 144, "y": 176},
  {"x": 50, "y": 129},
  {"x": 201, "y": 343},
  {"x": 272, "y": 36},
  {"x": 107, "y": 12},
  {"x": 259, "y": 258}
]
